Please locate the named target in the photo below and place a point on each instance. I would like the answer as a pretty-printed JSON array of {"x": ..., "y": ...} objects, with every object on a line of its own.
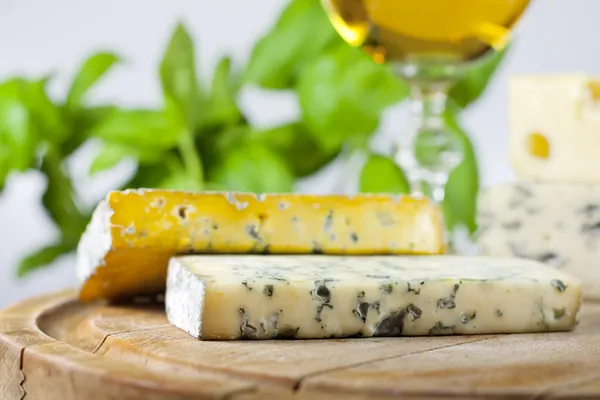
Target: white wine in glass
[{"x": 429, "y": 43}]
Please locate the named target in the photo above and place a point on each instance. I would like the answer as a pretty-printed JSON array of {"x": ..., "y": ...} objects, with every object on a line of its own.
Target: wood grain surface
[{"x": 53, "y": 347}]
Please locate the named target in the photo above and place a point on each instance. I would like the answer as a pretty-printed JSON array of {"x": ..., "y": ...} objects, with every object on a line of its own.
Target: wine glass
[{"x": 429, "y": 43}]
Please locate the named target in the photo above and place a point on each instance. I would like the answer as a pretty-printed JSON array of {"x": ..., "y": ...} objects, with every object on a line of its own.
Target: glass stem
[
  {"x": 428, "y": 152},
  {"x": 427, "y": 108}
]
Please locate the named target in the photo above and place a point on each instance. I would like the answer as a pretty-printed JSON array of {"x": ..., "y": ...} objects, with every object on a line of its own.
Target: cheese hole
[
  {"x": 538, "y": 145},
  {"x": 182, "y": 212},
  {"x": 594, "y": 90}
]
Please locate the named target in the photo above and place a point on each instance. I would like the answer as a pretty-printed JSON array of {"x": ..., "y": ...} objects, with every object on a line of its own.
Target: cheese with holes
[
  {"x": 305, "y": 296},
  {"x": 558, "y": 224},
  {"x": 125, "y": 249},
  {"x": 555, "y": 127}
]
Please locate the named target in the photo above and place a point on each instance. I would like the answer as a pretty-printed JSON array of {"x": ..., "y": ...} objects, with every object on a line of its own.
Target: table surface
[{"x": 53, "y": 347}]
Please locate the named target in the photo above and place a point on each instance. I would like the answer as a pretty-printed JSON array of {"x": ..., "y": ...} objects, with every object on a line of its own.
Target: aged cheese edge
[
  {"x": 95, "y": 242},
  {"x": 184, "y": 299},
  {"x": 262, "y": 196}
]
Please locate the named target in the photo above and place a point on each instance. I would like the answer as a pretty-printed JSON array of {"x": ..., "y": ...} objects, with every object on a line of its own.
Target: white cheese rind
[
  {"x": 95, "y": 242},
  {"x": 564, "y": 109},
  {"x": 266, "y": 297},
  {"x": 558, "y": 224},
  {"x": 185, "y": 302}
]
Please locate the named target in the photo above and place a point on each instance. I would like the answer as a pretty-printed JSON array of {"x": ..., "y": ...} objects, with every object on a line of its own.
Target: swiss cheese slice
[
  {"x": 125, "y": 249},
  {"x": 308, "y": 297},
  {"x": 555, "y": 127}
]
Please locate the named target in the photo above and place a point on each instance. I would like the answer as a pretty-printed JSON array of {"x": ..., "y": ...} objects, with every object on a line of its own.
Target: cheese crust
[{"x": 125, "y": 250}]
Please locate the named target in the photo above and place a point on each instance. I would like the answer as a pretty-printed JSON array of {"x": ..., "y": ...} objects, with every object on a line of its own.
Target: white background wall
[{"x": 40, "y": 36}]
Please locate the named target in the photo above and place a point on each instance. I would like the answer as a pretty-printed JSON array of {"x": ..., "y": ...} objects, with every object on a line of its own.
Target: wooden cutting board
[{"x": 54, "y": 348}]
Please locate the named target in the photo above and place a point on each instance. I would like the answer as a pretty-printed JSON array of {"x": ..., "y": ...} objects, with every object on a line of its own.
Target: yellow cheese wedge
[{"x": 126, "y": 248}]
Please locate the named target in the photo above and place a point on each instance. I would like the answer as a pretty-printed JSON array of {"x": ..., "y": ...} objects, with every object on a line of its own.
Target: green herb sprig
[{"x": 199, "y": 139}]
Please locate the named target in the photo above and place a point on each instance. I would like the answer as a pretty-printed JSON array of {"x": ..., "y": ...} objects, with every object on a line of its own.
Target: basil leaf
[
  {"x": 223, "y": 109},
  {"x": 109, "y": 156},
  {"x": 297, "y": 147},
  {"x": 59, "y": 197},
  {"x": 217, "y": 143},
  {"x": 148, "y": 176},
  {"x": 168, "y": 174},
  {"x": 342, "y": 95},
  {"x": 89, "y": 73},
  {"x": 17, "y": 135},
  {"x": 83, "y": 122},
  {"x": 460, "y": 202},
  {"x": 186, "y": 144},
  {"x": 178, "y": 76},
  {"x": 180, "y": 181},
  {"x": 42, "y": 257},
  {"x": 253, "y": 168},
  {"x": 381, "y": 174},
  {"x": 5, "y": 158},
  {"x": 44, "y": 115},
  {"x": 302, "y": 32},
  {"x": 147, "y": 129},
  {"x": 113, "y": 153},
  {"x": 476, "y": 78}
]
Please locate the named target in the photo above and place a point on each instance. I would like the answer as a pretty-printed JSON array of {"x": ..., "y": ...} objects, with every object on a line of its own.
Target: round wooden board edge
[{"x": 35, "y": 365}]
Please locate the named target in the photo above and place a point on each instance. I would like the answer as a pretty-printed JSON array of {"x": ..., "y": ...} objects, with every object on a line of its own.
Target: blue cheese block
[
  {"x": 558, "y": 224},
  {"x": 215, "y": 297}
]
